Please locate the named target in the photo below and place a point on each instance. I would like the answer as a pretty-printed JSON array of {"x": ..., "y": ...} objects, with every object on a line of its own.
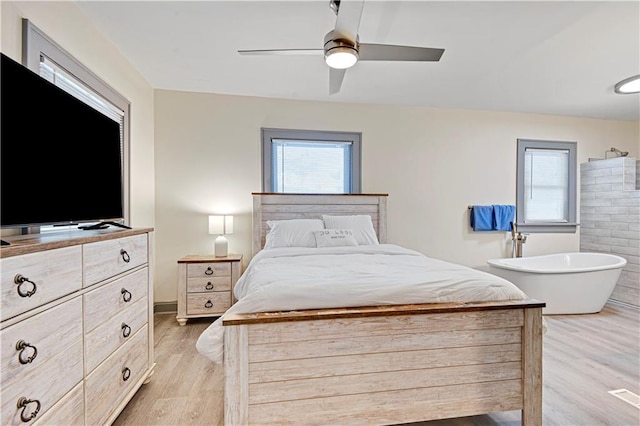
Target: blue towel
[
  {"x": 503, "y": 216},
  {"x": 482, "y": 218}
]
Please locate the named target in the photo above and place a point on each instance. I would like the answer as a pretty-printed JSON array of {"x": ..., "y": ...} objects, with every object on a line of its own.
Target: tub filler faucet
[{"x": 518, "y": 239}]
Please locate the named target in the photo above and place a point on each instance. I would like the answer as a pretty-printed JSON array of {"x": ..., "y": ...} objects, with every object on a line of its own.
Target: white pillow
[
  {"x": 360, "y": 225},
  {"x": 335, "y": 238},
  {"x": 292, "y": 233}
]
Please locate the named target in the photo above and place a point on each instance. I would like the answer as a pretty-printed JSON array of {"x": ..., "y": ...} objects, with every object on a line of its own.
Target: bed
[{"x": 397, "y": 357}]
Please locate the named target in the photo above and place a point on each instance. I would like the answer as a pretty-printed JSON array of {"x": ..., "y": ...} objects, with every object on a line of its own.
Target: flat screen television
[{"x": 61, "y": 160}]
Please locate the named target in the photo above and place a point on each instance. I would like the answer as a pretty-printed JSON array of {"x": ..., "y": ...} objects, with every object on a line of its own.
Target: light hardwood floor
[{"x": 585, "y": 356}]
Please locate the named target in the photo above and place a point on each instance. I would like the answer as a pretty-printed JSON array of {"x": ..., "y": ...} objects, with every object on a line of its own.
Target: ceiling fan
[{"x": 342, "y": 48}]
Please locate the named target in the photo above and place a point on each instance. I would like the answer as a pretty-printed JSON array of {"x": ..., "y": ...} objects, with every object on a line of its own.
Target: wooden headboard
[{"x": 275, "y": 206}]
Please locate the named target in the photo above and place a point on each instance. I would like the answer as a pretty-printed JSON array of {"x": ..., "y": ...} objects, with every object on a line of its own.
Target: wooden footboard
[{"x": 383, "y": 365}]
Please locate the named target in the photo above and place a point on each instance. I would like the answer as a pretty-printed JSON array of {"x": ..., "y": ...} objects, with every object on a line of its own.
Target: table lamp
[{"x": 220, "y": 226}]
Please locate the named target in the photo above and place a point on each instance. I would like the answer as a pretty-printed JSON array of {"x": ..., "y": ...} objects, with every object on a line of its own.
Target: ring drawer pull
[
  {"x": 22, "y": 346},
  {"x": 126, "y": 330},
  {"x": 209, "y": 271},
  {"x": 125, "y": 256},
  {"x": 19, "y": 280},
  {"x": 208, "y": 304},
  {"x": 209, "y": 286},
  {"x": 126, "y": 373},
  {"x": 126, "y": 295},
  {"x": 24, "y": 403}
]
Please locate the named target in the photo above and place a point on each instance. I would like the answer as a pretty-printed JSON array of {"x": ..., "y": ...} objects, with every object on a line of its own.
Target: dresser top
[{"x": 31, "y": 243}]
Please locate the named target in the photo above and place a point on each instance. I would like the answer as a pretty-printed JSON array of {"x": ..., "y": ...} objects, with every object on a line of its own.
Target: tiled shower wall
[{"x": 610, "y": 218}]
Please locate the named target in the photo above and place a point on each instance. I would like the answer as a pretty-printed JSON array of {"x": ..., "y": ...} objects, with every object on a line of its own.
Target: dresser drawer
[
  {"x": 106, "y": 385},
  {"x": 68, "y": 411},
  {"x": 106, "y": 301},
  {"x": 105, "y": 338},
  {"x": 208, "y": 303},
  {"x": 48, "y": 366},
  {"x": 200, "y": 284},
  {"x": 213, "y": 269},
  {"x": 105, "y": 259},
  {"x": 46, "y": 275}
]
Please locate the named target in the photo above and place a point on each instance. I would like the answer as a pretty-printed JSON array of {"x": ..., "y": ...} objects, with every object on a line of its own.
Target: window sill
[{"x": 547, "y": 228}]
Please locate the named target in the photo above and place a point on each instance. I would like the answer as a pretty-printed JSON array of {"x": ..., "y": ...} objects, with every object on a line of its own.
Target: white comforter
[{"x": 285, "y": 279}]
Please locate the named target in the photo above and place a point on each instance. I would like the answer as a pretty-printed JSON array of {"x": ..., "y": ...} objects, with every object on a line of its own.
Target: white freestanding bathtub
[{"x": 569, "y": 283}]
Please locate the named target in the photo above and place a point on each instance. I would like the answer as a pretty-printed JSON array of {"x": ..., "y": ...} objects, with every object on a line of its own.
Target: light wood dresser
[
  {"x": 205, "y": 285},
  {"x": 76, "y": 325}
]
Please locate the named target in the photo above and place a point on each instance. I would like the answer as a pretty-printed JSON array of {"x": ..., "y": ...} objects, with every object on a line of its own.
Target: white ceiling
[{"x": 549, "y": 57}]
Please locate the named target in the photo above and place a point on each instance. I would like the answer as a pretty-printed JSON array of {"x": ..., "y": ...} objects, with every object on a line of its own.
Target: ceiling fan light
[
  {"x": 341, "y": 57},
  {"x": 628, "y": 85}
]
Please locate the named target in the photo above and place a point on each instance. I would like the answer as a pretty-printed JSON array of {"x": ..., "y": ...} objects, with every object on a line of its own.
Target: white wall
[
  {"x": 63, "y": 22},
  {"x": 432, "y": 162}
]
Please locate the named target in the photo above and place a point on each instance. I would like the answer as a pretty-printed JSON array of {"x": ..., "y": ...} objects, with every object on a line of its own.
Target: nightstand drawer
[
  {"x": 199, "y": 284},
  {"x": 208, "y": 303},
  {"x": 208, "y": 270}
]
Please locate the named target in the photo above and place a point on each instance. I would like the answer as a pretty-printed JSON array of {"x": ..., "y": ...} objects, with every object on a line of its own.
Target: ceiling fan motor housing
[{"x": 333, "y": 45}]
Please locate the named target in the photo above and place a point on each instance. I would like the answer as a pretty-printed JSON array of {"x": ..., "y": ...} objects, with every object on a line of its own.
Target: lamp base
[{"x": 220, "y": 246}]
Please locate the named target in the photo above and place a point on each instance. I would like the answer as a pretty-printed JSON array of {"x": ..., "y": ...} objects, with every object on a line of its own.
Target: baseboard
[
  {"x": 624, "y": 304},
  {"x": 165, "y": 307}
]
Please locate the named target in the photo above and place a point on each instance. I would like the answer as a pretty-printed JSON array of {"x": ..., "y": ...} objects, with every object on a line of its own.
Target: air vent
[{"x": 627, "y": 396}]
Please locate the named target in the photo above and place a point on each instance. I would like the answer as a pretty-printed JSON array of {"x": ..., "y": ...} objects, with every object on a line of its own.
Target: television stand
[{"x": 102, "y": 225}]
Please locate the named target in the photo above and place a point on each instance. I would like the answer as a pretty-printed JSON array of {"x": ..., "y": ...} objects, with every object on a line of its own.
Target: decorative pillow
[
  {"x": 360, "y": 225},
  {"x": 335, "y": 238},
  {"x": 292, "y": 233}
]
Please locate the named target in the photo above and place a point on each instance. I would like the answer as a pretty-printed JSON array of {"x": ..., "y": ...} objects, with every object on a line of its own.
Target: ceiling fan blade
[
  {"x": 282, "y": 52},
  {"x": 335, "y": 80},
  {"x": 348, "y": 20},
  {"x": 390, "y": 52}
]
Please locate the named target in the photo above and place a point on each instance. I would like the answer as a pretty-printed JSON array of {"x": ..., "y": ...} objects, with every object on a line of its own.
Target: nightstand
[{"x": 205, "y": 285}]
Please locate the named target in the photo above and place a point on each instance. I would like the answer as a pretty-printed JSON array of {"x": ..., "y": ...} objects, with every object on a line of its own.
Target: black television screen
[{"x": 61, "y": 160}]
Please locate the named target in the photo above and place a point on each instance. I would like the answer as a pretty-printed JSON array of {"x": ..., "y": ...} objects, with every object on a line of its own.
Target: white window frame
[
  {"x": 311, "y": 136},
  {"x": 523, "y": 224},
  {"x": 36, "y": 44}
]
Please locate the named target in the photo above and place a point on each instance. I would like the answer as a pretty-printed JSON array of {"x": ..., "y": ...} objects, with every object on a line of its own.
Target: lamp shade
[{"x": 220, "y": 225}]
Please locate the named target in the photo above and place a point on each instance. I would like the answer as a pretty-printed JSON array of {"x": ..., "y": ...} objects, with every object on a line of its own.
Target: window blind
[
  {"x": 311, "y": 166},
  {"x": 546, "y": 185},
  {"x": 55, "y": 74}
]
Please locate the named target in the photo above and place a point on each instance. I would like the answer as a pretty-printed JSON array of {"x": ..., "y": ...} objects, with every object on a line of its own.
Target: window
[
  {"x": 43, "y": 56},
  {"x": 546, "y": 186},
  {"x": 310, "y": 161}
]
